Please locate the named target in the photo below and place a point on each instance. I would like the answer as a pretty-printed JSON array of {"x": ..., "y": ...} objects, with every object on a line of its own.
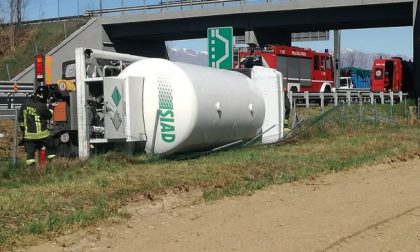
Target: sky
[{"x": 393, "y": 41}]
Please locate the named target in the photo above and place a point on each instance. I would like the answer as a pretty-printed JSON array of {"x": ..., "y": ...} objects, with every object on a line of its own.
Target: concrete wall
[{"x": 89, "y": 35}]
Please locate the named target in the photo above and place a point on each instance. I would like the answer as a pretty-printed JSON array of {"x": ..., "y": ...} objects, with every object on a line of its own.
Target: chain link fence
[
  {"x": 357, "y": 116},
  {"x": 8, "y": 137}
]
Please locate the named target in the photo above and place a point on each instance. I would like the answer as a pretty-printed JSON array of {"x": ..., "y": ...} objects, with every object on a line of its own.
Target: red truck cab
[{"x": 387, "y": 75}]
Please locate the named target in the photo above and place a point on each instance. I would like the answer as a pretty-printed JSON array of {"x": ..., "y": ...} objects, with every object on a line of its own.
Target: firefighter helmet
[{"x": 42, "y": 92}]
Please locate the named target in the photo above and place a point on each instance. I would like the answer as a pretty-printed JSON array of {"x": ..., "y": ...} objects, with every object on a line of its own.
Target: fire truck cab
[
  {"x": 302, "y": 69},
  {"x": 394, "y": 74}
]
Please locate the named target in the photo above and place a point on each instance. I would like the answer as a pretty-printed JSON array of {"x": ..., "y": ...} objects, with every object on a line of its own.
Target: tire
[
  {"x": 326, "y": 91},
  {"x": 68, "y": 149}
]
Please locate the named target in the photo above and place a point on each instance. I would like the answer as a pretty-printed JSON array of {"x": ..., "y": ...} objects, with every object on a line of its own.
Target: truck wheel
[
  {"x": 326, "y": 100},
  {"x": 67, "y": 150},
  {"x": 65, "y": 146}
]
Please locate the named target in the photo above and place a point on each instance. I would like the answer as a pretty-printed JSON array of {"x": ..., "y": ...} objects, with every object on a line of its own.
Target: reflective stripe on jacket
[{"x": 34, "y": 116}]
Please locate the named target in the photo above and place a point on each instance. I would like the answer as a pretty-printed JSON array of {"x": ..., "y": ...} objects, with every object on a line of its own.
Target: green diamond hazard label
[{"x": 116, "y": 96}]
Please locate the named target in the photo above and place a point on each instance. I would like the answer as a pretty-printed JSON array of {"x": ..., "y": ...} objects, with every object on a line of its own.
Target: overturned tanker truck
[{"x": 162, "y": 106}]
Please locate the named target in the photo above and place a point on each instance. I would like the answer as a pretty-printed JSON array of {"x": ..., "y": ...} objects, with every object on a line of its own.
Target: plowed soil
[{"x": 374, "y": 208}]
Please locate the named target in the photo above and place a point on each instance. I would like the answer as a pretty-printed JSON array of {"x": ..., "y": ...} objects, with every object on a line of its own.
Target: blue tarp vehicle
[{"x": 359, "y": 77}]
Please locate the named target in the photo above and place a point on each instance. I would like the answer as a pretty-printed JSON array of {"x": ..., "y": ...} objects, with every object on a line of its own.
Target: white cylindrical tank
[{"x": 200, "y": 107}]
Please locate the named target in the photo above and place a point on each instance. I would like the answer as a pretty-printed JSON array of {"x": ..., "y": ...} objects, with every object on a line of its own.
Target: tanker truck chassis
[{"x": 166, "y": 107}]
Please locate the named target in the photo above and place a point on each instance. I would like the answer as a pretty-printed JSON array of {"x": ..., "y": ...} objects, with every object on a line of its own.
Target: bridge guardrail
[{"x": 160, "y": 5}]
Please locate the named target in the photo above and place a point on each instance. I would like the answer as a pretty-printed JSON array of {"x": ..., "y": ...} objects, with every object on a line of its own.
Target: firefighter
[
  {"x": 33, "y": 120},
  {"x": 287, "y": 108}
]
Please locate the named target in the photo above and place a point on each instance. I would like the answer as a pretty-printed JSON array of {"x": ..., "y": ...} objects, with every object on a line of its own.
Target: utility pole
[
  {"x": 100, "y": 8},
  {"x": 337, "y": 53},
  {"x": 58, "y": 9},
  {"x": 7, "y": 69},
  {"x": 122, "y": 7},
  {"x": 78, "y": 9}
]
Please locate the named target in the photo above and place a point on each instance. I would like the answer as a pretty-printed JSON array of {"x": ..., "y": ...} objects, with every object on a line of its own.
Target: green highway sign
[{"x": 220, "y": 47}]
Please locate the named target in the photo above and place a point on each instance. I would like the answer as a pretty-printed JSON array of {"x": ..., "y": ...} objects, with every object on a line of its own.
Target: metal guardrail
[
  {"x": 49, "y": 20},
  {"x": 161, "y": 5},
  {"x": 348, "y": 97},
  {"x": 16, "y": 87},
  {"x": 12, "y": 101},
  {"x": 12, "y": 94}
]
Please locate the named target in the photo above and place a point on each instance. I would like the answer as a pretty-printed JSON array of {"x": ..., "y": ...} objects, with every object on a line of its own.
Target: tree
[
  {"x": 1, "y": 13},
  {"x": 19, "y": 12},
  {"x": 16, "y": 13},
  {"x": 11, "y": 27}
]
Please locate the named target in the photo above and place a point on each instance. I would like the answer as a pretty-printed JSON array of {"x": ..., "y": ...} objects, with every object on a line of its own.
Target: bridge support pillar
[
  {"x": 416, "y": 52},
  {"x": 262, "y": 37}
]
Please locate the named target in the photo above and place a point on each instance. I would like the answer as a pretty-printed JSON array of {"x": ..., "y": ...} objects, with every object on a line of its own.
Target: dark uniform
[
  {"x": 287, "y": 108},
  {"x": 33, "y": 120}
]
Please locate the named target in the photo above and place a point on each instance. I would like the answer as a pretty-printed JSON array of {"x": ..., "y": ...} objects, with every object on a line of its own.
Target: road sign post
[{"x": 220, "y": 47}]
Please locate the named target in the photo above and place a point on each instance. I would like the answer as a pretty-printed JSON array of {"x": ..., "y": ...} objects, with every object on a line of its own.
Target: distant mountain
[
  {"x": 349, "y": 57},
  {"x": 354, "y": 58},
  {"x": 188, "y": 56}
]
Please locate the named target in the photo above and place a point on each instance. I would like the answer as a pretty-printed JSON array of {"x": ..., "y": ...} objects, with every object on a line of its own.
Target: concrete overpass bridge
[{"x": 145, "y": 34}]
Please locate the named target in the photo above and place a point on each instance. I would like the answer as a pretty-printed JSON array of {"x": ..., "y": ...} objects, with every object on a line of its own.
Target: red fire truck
[
  {"x": 302, "y": 69},
  {"x": 392, "y": 74}
]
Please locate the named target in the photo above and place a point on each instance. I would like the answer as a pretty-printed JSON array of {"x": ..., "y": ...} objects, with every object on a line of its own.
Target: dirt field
[{"x": 373, "y": 208}]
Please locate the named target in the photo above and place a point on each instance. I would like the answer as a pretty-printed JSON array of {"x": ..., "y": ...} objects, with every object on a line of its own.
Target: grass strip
[{"x": 76, "y": 193}]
